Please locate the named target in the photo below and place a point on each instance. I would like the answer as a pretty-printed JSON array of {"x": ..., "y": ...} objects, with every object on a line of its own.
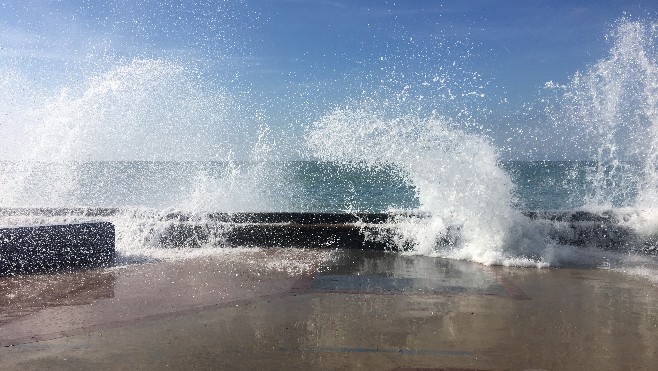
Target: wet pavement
[{"x": 323, "y": 309}]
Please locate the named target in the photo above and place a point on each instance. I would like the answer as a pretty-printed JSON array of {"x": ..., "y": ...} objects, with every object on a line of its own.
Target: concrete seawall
[
  {"x": 339, "y": 230},
  {"x": 377, "y": 231},
  {"x": 53, "y": 248},
  {"x": 372, "y": 231}
]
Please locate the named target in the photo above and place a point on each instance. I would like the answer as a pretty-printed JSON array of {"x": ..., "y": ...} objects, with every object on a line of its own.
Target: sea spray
[
  {"x": 143, "y": 109},
  {"x": 159, "y": 112},
  {"x": 612, "y": 111},
  {"x": 455, "y": 175},
  {"x": 261, "y": 184},
  {"x": 190, "y": 136}
]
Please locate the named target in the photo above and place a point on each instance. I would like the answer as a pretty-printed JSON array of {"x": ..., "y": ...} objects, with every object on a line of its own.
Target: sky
[{"x": 285, "y": 62}]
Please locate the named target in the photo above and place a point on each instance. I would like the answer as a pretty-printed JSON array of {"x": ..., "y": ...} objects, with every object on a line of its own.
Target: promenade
[{"x": 295, "y": 309}]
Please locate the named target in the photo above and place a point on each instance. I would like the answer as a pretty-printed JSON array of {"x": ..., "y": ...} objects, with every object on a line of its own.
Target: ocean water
[
  {"x": 382, "y": 151},
  {"x": 293, "y": 186}
]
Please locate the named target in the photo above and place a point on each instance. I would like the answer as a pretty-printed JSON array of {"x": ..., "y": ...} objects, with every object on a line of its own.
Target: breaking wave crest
[{"x": 465, "y": 198}]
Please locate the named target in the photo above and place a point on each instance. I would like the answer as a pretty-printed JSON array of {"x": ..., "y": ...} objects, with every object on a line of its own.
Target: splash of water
[
  {"x": 144, "y": 109},
  {"x": 255, "y": 186},
  {"x": 613, "y": 107},
  {"x": 160, "y": 112},
  {"x": 456, "y": 176}
]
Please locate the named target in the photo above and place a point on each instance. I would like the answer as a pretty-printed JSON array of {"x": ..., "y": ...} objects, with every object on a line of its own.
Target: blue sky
[{"x": 293, "y": 59}]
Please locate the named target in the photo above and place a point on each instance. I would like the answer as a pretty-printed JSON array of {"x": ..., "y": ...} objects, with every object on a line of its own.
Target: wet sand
[{"x": 321, "y": 309}]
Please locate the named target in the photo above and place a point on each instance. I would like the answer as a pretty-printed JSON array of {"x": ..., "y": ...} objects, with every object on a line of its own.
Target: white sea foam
[{"x": 456, "y": 176}]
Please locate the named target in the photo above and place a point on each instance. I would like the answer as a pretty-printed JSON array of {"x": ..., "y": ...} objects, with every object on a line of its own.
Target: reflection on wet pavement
[
  {"x": 310, "y": 309},
  {"x": 392, "y": 273},
  {"x": 23, "y": 295},
  {"x": 48, "y": 306}
]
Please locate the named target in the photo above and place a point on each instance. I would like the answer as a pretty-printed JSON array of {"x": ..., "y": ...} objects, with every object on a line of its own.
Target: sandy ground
[{"x": 322, "y": 309}]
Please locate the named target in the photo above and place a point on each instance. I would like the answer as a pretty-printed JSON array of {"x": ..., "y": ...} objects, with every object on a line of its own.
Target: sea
[{"x": 292, "y": 186}]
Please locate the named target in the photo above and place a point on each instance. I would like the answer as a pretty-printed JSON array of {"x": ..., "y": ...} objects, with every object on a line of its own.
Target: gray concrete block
[{"x": 53, "y": 248}]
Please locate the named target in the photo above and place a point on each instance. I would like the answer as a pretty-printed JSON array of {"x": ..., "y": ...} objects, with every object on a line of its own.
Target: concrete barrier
[
  {"x": 308, "y": 230},
  {"x": 53, "y": 248},
  {"x": 375, "y": 231},
  {"x": 343, "y": 236}
]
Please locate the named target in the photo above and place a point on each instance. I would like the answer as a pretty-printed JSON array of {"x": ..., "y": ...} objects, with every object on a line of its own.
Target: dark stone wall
[{"x": 53, "y": 248}]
